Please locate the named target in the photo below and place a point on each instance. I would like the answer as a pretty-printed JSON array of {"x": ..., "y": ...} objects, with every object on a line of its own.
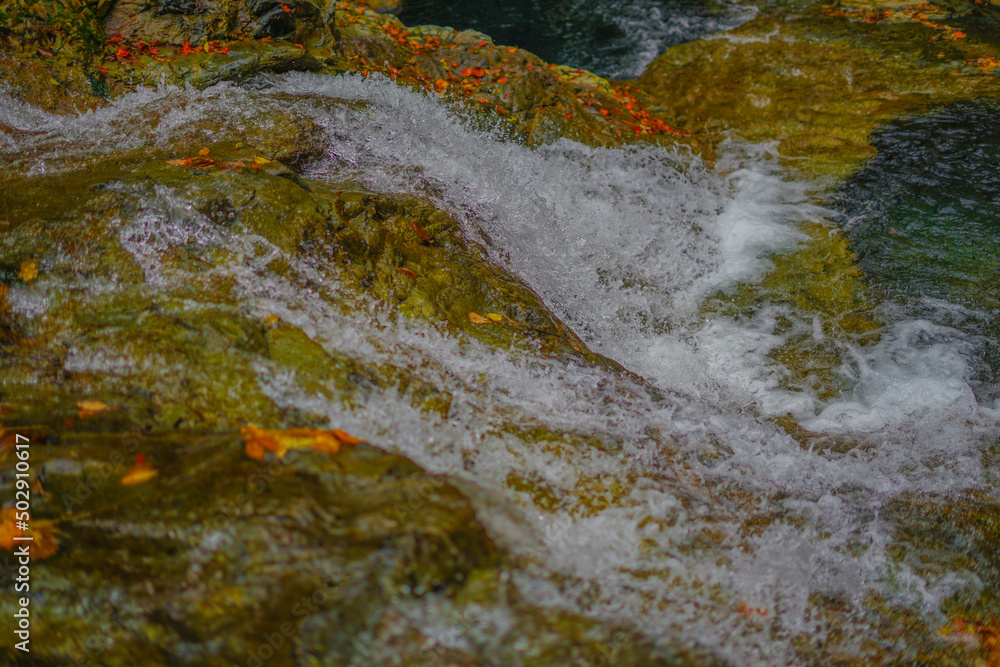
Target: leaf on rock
[
  {"x": 984, "y": 634},
  {"x": 42, "y": 533},
  {"x": 143, "y": 471},
  {"x": 28, "y": 271},
  {"x": 258, "y": 442},
  {"x": 90, "y": 408},
  {"x": 476, "y": 318},
  {"x": 420, "y": 232}
]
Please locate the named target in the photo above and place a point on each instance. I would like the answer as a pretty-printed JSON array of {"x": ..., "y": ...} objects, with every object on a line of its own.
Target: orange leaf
[
  {"x": 143, "y": 471},
  {"x": 420, "y": 232},
  {"x": 28, "y": 271},
  {"x": 346, "y": 438},
  {"x": 90, "y": 408},
  {"x": 258, "y": 442},
  {"x": 42, "y": 533},
  {"x": 476, "y": 318}
]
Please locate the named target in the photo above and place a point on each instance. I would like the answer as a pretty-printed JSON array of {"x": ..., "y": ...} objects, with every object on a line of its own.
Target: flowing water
[
  {"x": 616, "y": 39},
  {"x": 666, "y": 499}
]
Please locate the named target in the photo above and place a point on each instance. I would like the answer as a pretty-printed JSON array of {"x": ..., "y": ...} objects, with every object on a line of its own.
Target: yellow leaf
[
  {"x": 203, "y": 152},
  {"x": 495, "y": 317},
  {"x": 141, "y": 472},
  {"x": 28, "y": 271},
  {"x": 89, "y": 408},
  {"x": 261, "y": 159},
  {"x": 258, "y": 442}
]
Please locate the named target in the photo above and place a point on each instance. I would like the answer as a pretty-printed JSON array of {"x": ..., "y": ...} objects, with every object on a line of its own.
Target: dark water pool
[
  {"x": 613, "y": 38},
  {"x": 924, "y": 220}
]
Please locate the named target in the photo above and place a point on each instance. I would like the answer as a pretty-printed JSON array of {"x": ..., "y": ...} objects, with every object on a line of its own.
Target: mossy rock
[{"x": 814, "y": 81}]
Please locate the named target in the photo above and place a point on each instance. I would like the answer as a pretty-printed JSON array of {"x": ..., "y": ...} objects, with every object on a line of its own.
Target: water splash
[{"x": 659, "y": 499}]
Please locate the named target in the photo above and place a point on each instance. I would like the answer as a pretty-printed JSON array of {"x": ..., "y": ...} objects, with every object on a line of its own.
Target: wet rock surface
[{"x": 150, "y": 278}]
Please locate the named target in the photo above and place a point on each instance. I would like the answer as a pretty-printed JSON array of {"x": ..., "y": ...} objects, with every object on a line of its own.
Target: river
[{"x": 711, "y": 490}]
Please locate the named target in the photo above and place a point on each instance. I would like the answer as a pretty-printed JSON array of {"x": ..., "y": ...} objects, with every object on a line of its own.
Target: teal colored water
[
  {"x": 612, "y": 38},
  {"x": 924, "y": 220}
]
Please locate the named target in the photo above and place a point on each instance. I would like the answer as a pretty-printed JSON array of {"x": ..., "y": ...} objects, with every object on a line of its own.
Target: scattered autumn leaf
[
  {"x": 985, "y": 635},
  {"x": 985, "y": 64},
  {"x": 142, "y": 471},
  {"x": 258, "y": 442},
  {"x": 42, "y": 533},
  {"x": 476, "y": 318},
  {"x": 90, "y": 408},
  {"x": 420, "y": 232},
  {"x": 28, "y": 271}
]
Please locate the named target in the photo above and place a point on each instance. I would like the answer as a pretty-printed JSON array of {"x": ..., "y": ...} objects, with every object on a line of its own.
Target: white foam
[{"x": 654, "y": 477}]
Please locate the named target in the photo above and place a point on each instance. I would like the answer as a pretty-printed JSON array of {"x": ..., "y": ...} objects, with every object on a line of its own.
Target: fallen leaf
[
  {"x": 476, "y": 318},
  {"x": 495, "y": 317},
  {"x": 258, "y": 442},
  {"x": 42, "y": 533},
  {"x": 260, "y": 159},
  {"x": 203, "y": 152},
  {"x": 420, "y": 232},
  {"x": 984, "y": 634},
  {"x": 28, "y": 271},
  {"x": 143, "y": 471},
  {"x": 90, "y": 408}
]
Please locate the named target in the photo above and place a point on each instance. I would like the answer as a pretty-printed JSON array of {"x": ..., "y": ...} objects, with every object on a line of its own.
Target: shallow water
[
  {"x": 923, "y": 217},
  {"x": 667, "y": 499}
]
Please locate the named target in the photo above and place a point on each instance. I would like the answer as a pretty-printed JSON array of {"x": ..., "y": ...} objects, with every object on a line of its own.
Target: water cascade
[{"x": 697, "y": 455}]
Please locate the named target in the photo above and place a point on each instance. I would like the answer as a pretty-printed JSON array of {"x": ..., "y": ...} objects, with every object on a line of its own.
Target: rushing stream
[{"x": 666, "y": 499}]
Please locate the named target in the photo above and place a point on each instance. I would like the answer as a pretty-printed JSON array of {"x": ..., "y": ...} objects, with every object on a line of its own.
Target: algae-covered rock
[
  {"x": 176, "y": 21},
  {"x": 815, "y": 80},
  {"x": 537, "y": 102}
]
